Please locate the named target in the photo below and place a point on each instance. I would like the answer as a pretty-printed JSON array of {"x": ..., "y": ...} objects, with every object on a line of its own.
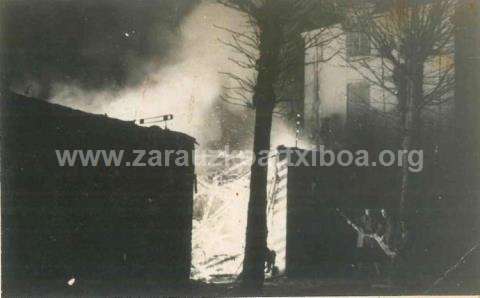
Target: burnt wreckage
[{"x": 61, "y": 223}]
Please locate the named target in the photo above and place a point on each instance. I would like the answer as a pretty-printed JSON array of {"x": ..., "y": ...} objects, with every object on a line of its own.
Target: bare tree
[
  {"x": 409, "y": 38},
  {"x": 266, "y": 48}
]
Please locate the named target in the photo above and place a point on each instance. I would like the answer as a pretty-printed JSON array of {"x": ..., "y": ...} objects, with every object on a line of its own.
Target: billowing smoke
[
  {"x": 189, "y": 86},
  {"x": 94, "y": 45},
  {"x": 133, "y": 61}
]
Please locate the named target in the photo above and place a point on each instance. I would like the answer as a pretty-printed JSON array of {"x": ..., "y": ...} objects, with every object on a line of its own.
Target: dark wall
[
  {"x": 467, "y": 96},
  {"x": 319, "y": 241},
  {"x": 90, "y": 222}
]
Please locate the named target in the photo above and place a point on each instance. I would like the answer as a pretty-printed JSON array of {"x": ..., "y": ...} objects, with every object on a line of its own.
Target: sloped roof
[{"x": 16, "y": 107}]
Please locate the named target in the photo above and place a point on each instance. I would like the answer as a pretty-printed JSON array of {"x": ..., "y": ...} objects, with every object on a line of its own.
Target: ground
[{"x": 277, "y": 287}]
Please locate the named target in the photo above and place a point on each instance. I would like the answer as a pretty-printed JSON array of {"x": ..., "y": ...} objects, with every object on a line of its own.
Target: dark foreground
[{"x": 277, "y": 287}]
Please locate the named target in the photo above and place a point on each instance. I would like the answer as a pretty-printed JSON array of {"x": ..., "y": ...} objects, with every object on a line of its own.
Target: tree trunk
[
  {"x": 264, "y": 100},
  {"x": 405, "y": 145},
  {"x": 256, "y": 235},
  {"x": 410, "y": 128}
]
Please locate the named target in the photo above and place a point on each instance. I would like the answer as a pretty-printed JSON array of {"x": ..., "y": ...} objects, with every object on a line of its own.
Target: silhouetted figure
[
  {"x": 367, "y": 226},
  {"x": 270, "y": 257},
  {"x": 366, "y": 244},
  {"x": 384, "y": 229}
]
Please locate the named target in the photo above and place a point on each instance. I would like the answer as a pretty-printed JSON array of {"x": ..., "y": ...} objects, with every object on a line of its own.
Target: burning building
[{"x": 67, "y": 223}]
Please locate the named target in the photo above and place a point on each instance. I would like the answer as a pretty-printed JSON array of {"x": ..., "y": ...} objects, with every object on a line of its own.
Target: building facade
[{"x": 349, "y": 89}]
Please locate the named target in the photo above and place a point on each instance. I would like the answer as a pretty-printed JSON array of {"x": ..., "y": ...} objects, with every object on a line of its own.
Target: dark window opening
[
  {"x": 358, "y": 111},
  {"x": 358, "y": 44}
]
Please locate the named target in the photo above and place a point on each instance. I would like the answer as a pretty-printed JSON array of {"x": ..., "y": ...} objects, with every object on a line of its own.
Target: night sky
[{"x": 96, "y": 45}]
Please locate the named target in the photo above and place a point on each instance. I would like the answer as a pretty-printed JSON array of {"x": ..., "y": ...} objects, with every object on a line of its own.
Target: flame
[{"x": 221, "y": 205}]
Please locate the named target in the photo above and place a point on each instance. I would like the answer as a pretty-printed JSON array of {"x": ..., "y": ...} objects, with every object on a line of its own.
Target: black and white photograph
[{"x": 226, "y": 148}]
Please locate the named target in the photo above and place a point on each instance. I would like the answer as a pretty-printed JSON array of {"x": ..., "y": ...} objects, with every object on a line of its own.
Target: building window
[
  {"x": 358, "y": 106},
  {"x": 358, "y": 44}
]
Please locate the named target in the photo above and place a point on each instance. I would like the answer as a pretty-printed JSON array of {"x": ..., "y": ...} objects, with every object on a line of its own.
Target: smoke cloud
[
  {"x": 141, "y": 66},
  {"x": 188, "y": 86},
  {"x": 95, "y": 45}
]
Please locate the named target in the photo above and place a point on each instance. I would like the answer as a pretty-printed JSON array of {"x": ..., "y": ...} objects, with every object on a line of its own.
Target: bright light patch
[{"x": 221, "y": 204}]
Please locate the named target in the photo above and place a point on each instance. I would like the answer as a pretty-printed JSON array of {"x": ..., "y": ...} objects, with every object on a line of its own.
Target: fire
[
  {"x": 221, "y": 211},
  {"x": 221, "y": 204}
]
